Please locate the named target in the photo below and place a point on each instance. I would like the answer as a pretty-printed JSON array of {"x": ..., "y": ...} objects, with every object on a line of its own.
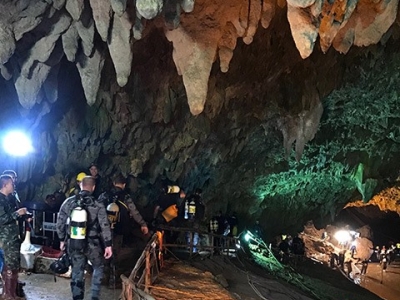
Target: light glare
[
  {"x": 247, "y": 237},
  {"x": 16, "y": 143},
  {"x": 342, "y": 236}
]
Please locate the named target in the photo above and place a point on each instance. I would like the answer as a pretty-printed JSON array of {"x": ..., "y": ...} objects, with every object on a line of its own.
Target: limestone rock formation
[
  {"x": 199, "y": 93},
  {"x": 387, "y": 201},
  {"x": 205, "y": 30}
]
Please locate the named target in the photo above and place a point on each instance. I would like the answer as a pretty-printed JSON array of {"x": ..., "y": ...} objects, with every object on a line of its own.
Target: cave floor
[
  {"x": 220, "y": 277},
  {"x": 42, "y": 286},
  {"x": 389, "y": 288}
]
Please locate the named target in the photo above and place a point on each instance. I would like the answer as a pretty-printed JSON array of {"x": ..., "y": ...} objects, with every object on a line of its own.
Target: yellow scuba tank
[
  {"x": 113, "y": 214},
  {"x": 192, "y": 209},
  {"x": 78, "y": 221}
]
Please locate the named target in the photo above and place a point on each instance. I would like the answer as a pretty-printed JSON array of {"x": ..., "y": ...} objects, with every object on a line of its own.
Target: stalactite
[
  {"x": 5, "y": 72},
  {"x": 366, "y": 25},
  {"x": 211, "y": 29},
  {"x": 102, "y": 16},
  {"x": 90, "y": 71},
  {"x": 254, "y": 17},
  {"x": 70, "y": 42},
  {"x": 43, "y": 48},
  {"x": 50, "y": 85},
  {"x": 87, "y": 36},
  {"x": 268, "y": 12},
  {"x": 118, "y": 6},
  {"x": 187, "y": 5},
  {"x": 75, "y": 8},
  {"x": 8, "y": 43},
  {"x": 193, "y": 61},
  {"x": 149, "y": 9},
  {"x": 334, "y": 17},
  {"x": 303, "y": 29},
  {"x": 120, "y": 48},
  {"x": 226, "y": 45}
]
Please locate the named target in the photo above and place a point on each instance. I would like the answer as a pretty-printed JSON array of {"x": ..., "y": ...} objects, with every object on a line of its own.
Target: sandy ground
[
  {"x": 389, "y": 289},
  {"x": 182, "y": 281},
  {"x": 246, "y": 282}
]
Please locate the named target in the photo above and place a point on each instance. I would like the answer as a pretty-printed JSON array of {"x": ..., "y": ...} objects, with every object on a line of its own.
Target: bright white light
[
  {"x": 17, "y": 143},
  {"x": 247, "y": 237},
  {"x": 238, "y": 245},
  {"x": 343, "y": 236}
]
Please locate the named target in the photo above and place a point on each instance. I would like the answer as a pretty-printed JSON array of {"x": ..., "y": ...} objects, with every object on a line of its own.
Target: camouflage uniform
[
  {"x": 16, "y": 203},
  {"x": 9, "y": 233},
  {"x": 10, "y": 244},
  {"x": 97, "y": 233}
]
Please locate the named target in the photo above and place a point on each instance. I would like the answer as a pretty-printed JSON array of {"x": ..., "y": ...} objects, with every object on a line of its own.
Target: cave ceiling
[{"x": 280, "y": 110}]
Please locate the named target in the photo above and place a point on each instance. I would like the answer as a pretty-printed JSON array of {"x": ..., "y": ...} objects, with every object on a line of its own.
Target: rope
[
  {"x": 172, "y": 290},
  {"x": 256, "y": 291}
]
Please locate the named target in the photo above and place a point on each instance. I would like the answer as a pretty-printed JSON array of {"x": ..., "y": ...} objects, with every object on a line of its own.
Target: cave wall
[{"x": 257, "y": 148}]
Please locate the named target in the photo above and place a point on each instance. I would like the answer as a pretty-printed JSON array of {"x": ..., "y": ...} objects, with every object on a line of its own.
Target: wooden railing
[{"x": 151, "y": 260}]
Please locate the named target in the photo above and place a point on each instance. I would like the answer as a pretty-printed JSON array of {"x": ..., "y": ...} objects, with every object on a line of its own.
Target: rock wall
[
  {"x": 236, "y": 137},
  {"x": 35, "y": 36}
]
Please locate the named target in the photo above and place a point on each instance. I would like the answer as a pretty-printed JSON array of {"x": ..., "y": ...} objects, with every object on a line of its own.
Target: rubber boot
[
  {"x": 20, "y": 290},
  {"x": 9, "y": 287},
  {"x": 18, "y": 286}
]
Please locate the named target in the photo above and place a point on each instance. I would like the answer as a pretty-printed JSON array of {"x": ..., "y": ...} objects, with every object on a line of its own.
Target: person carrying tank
[
  {"x": 166, "y": 210},
  {"x": 193, "y": 214},
  {"x": 82, "y": 226},
  {"x": 124, "y": 212}
]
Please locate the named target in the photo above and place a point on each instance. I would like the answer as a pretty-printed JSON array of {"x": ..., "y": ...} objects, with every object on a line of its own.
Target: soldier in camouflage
[
  {"x": 14, "y": 198},
  {"x": 97, "y": 233},
  {"x": 9, "y": 237},
  {"x": 123, "y": 228}
]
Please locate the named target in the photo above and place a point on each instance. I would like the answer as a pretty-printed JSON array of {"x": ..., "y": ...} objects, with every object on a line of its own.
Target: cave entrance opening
[{"x": 384, "y": 225}]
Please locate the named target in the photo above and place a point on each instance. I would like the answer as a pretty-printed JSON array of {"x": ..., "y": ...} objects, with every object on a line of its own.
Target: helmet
[
  {"x": 80, "y": 176},
  {"x": 61, "y": 265},
  {"x": 112, "y": 213},
  {"x": 173, "y": 189}
]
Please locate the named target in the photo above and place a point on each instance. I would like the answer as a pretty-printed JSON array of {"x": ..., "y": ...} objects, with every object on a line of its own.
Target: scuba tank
[
  {"x": 78, "y": 223},
  {"x": 186, "y": 209},
  {"x": 113, "y": 214},
  {"x": 192, "y": 209}
]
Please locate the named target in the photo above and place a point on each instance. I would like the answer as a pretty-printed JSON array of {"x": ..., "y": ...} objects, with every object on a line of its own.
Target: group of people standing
[
  {"x": 82, "y": 226},
  {"x": 94, "y": 238},
  {"x": 86, "y": 227}
]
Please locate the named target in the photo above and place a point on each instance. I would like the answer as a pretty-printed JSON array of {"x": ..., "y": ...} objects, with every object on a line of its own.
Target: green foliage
[
  {"x": 295, "y": 188},
  {"x": 366, "y": 189},
  {"x": 360, "y": 129}
]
